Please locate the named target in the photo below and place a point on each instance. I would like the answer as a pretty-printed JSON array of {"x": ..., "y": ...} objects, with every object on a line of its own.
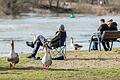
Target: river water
[{"x": 80, "y": 28}]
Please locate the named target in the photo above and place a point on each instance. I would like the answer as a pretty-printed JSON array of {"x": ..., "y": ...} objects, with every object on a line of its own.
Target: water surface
[{"x": 80, "y": 28}]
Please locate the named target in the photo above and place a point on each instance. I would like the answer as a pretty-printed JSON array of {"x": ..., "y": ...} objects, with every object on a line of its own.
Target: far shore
[{"x": 53, "y": 15}]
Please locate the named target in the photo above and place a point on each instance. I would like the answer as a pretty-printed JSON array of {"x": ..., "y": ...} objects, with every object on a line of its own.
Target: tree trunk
[
  {"x": 106, "y": 2},
  {"x": 58, "y": 4},
  {"x": 50, "y": 3}
]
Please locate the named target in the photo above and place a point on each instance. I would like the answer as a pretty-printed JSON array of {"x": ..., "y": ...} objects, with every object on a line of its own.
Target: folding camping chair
[{"x": 59, "y": 51}]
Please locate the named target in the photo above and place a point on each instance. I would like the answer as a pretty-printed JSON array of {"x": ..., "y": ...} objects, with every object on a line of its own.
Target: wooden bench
[{"x": 110, "y": 36}]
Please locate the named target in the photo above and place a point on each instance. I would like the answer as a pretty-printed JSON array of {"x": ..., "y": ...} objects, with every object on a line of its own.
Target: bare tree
[
  {"x": 106, "y": 2},
  {"x": 11, "y": 7},
  {"x": 50, "y": 3},
  {"x": 57, "y": 4}
]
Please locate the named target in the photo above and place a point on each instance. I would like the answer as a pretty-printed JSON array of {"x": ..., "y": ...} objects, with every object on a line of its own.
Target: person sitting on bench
[
  {"x": 103, "y": 27},
  {"x": 112, "y": 25}
]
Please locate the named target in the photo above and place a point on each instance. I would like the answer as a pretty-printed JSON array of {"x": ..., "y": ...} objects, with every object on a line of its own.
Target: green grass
[
  {"x": 60, "y": 74},
  {"x": 22, "y": 72}
]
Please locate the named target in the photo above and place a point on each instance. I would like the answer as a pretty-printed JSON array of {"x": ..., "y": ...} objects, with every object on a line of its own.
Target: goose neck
[
  {"x": 12, "y": 48},
  {"x": 46, "y": 52},
  {"x": 72, "y": 41}
]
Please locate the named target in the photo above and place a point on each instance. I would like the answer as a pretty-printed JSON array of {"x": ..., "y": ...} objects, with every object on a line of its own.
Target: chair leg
[
  {"x": 99, "y": 45},
  {"x": 111, "y": 46},
  {"x": 64, "y": 53},
  {"x": 90, "y": 46},
  {"x": 99, "y": 41},
  {"x": 60, "y": 51}
]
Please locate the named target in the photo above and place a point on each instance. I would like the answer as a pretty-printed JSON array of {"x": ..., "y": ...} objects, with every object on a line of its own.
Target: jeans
[
  {"x": 106, "y": 45},
  {"x": 40, "y": 40},
  {"x": 95, "y": 45}
]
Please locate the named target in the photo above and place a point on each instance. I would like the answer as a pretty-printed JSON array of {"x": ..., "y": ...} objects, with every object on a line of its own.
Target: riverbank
[
  {"x": 45, "y": 10},
  {"x": 79, "y": 65},
  {"x": 78, "y": 9}
]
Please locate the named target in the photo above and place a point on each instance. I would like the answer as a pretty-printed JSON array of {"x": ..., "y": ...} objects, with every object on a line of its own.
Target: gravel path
[{"x": 76, "y": 61}]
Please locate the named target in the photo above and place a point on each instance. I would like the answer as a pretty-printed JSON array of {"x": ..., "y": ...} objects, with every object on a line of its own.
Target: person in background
[
  {"x": 57, "y": 41},
  {"x": 103, "y": 27},
  {"x": 112, "y": 25}
]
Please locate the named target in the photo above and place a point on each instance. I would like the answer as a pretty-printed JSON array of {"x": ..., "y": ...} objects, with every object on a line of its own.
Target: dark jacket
[
  {"x": 113, "y": 26},
  {"x": 59, "y": 38},
  {"x": 103, "y": 27}
]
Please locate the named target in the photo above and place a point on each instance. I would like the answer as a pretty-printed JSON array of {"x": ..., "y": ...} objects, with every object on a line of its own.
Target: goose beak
[
  {"x": 71, "y": 38},
  {"x": 33, "y": 34}
]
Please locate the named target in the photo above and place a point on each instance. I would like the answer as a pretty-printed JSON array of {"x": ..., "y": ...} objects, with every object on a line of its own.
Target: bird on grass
[
  {"x": 47, "y": 59},
  {"x": 34, "y": 36},
  {"x": 13, "y": 56},
  {"x": 74, "y": 45}
]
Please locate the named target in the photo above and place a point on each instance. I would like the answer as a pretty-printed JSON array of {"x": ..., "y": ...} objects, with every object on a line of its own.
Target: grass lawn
[{"x": 80, "y": 65}]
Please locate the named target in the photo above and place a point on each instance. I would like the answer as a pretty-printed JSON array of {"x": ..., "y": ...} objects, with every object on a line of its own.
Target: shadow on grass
[
  {"x": 35, "y": 69},
  {"x": 103, "y": 59},
  {"x": 10, "y": 73}
]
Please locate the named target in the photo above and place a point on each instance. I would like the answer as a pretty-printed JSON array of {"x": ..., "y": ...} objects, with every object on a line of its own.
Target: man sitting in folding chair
[{"x": 54, "y": 43}]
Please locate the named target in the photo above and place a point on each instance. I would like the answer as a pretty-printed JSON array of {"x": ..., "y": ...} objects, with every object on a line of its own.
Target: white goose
[
  {"x": 75, "y": 46},
  {"x": 13, "y": 56},
  {"x": 34, "y": 36},
  {"x": 47, "y": 59}
]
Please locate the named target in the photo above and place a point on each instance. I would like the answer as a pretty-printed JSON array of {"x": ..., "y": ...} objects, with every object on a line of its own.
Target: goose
[
  {"x": 13, "y": 56},
  {"x": 47, "y": 59},
  {"x": 75, "y": 46},
  {"x": 34, "y": 36}
]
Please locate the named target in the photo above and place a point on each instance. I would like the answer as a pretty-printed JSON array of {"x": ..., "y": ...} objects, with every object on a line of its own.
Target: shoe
[
  {"x": 31, "y": 56},
  {"x": 37, "y": 58},
  {"x": 30, "y": 44},
  {"x": 106, "y": 49},
  {"x": 94, "y": 49}
]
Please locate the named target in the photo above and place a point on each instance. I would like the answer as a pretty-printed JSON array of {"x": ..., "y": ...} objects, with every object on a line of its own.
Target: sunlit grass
[{"x": 23, "y": 72}]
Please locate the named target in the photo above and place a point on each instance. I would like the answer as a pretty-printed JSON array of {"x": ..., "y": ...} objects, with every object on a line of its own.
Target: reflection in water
[{"x": 81, "y": 28}]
